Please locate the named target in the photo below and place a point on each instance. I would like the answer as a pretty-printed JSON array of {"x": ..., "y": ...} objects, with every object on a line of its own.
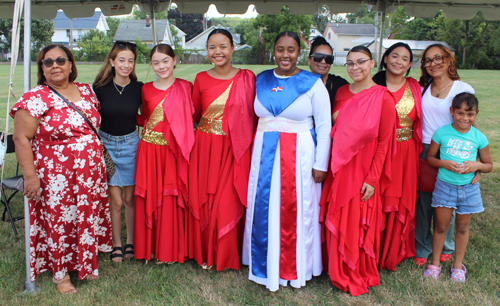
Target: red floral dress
[{"x": 70, "y": 223}]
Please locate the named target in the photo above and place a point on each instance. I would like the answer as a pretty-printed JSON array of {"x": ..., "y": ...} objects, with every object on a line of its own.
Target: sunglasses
[
  {"x": 60, "y": 61},
  {"x": 124, "y": 44},
  {"x": 319, "y": 57}
]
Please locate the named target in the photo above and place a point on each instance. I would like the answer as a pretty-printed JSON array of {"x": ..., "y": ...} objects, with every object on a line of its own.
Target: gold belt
[
  {"x": 404, "y": 134},
  {"x": 153, "y": 137},
  {"x": 211, "y": 126}
]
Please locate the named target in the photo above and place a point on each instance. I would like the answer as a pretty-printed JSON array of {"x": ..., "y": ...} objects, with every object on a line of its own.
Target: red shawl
[
  {"x": 178, "y": 109},
  {"x": 357, "y": 125},
  {"x": 239, "y": 123}
]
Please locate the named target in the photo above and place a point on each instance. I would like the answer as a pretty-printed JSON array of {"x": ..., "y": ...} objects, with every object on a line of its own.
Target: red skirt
[
  {"x": 159, "y": 207},
  {"x": 398, "y": 236},
  {"x": 215, "y": 216}
]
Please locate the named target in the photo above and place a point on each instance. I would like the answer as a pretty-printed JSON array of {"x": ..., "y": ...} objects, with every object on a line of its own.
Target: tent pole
[
  {"x": 379, "y": 55},
  {"x": 30, "y": 287},
  {"x": 153, "y": 22}
]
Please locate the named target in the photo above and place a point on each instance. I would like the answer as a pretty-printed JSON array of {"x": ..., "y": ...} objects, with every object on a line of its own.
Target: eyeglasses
[
  {"x": 359, "y": 63},
  {"x": 124, "y": 44},
  {"x": 60, "y": 61},
  {"x": 438, "y": 60},
  {"x": 319, "y": 57}
]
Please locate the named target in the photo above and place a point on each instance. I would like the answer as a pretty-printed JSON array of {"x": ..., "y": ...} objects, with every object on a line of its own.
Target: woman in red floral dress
[{"x": 65, "y": 175}]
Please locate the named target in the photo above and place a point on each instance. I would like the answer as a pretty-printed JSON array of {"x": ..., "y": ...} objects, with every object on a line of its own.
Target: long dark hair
[
  {"x": 72, "y": 75},
  {"x": 392, "y": 48}
]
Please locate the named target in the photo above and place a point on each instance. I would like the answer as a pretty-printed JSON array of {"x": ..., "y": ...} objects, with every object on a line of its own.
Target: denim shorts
[
  {"x": 123, "y": 150},
  {"x": 466, "y": 199}
]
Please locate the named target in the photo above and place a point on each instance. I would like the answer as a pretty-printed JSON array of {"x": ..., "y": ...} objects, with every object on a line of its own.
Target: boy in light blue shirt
[{"x": 458, "y": 145}]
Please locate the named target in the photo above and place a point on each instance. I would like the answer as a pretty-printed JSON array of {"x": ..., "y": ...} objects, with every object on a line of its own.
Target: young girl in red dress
[
  {"x": 162, "y": 163},
  {"x": 220, "y": 162},
  {"x": 363, "y": 142}
]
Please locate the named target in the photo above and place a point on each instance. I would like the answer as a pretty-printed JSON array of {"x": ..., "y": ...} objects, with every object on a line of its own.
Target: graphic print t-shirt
[{"x": 458, "y": 147}]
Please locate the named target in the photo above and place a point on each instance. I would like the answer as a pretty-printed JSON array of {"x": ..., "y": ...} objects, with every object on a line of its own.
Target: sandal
[
  {"x": 432, "y": 271},
  {"x": 64, "y": 286},
  {"x": 458, "y": 275},
  {"x": 419, "y": 261},
  {"x": 129, "y": 251},
  {"x": 445, "y": 257},
  {"x": 114, "y": 255}
]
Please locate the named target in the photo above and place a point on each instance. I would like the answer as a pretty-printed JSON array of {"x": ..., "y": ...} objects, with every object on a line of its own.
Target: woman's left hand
[
  {"x": 318, "y": 176},
  {"x": 367, "y": 191}
]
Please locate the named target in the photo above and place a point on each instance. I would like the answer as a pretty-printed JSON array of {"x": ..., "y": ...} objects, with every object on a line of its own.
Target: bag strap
[{"x": 77, "y": 110}]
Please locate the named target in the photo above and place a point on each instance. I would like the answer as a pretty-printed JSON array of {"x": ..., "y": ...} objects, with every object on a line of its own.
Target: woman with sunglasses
[
  {"x": 320, "y": 61},
  {"x": 398, "y": 236},
  {"x": 119, "y": 92},
  {"x": 161, "y": 190},
  {"x": 441, "y": 83},
  {"x": 363, "y": 143},
  {"x": 282, "y": 240},
  {"x": 220, "y": 162},
  {"x": 64, "y": 171}
]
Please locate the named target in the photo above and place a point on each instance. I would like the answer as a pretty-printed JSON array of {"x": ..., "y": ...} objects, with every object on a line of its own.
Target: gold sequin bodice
[
  {"x": 404, "y": 108},
  {"x": 150, "y": 136},
  {"x": 211, "y": 120}
]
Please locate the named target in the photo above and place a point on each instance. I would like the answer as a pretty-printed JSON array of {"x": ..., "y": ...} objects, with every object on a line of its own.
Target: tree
[
  {"x": 138, "y": 14},
  {"x": 93, "y": 46},
  {"x": 269, "y": 26},
  {"x": 41, "y": 34},
  {"x": 113, "y": 24},
  {"x": 321, "y": 20},
  {"x": 142, "y": 50},
  {"x": 191, "y": 24}
]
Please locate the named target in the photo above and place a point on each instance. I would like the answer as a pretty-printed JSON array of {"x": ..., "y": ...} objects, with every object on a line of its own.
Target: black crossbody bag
[{"x": 110, "y": 165}]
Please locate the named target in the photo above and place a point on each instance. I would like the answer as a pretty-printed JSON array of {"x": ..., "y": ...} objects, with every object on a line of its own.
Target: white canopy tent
[{"x": 39, "y": 9}]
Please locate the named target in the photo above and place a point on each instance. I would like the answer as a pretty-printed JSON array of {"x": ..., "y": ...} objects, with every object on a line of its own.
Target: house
[
  {"x": 62, "y": 26},
  {"x": 344, "y": 36},
  {"x": 417, "y": 47},
  {"x": 314, "y": 33},
  {"x": 199, "y": 42},
  {"x": 129, "y": 30}
]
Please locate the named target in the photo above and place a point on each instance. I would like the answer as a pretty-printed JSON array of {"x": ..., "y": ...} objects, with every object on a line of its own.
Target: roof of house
[
  {"x": 236, "y": 36},
  {"x": 415, "y": 44},
  {"x": 352, "y": 29},
  {"x": 63, "y": 22},
  {"x": 128, "y": 30}
]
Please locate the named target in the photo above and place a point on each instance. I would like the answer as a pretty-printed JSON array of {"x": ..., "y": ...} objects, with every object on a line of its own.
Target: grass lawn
[{"x": 135, "y": 283}]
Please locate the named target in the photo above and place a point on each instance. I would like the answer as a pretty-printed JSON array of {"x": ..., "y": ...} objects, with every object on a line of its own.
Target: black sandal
[
  {"x": 129, "y": 250},
  {"x": 116, "y": 255}
]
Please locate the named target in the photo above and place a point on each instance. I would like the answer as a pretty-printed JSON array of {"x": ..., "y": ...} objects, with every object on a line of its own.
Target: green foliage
[
  {"x": 269, "y": 26},
  {"x": 41, "y": 35},
  {"x": 482, "y": 47},
  {"x": 362, "y": 15},
  {"x": 178, "y": 50},
  {"x": 113, "y": 24},
  {"x": 93, "y": 46},
  {"x": 143, "y": 51},
  {"x": 138, "y": 14},
  {"x": 321, "y": 20},
  {"x": 231, "y": 22}
]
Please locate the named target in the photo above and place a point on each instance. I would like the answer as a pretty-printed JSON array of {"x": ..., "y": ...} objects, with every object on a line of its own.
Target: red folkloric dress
[
  {"x": 220, "y": 166},
  {"x": 363, "y": 142},
  {"x": 70, "y": 223},
  {"x": 398, "y": 236},
  {"x": 162, "y": 172}
]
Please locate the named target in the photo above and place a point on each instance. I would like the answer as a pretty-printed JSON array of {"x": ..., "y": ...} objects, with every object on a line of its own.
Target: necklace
[
  {"x": 123, "y": 88},
  {"x": 437, "y": 95}
]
